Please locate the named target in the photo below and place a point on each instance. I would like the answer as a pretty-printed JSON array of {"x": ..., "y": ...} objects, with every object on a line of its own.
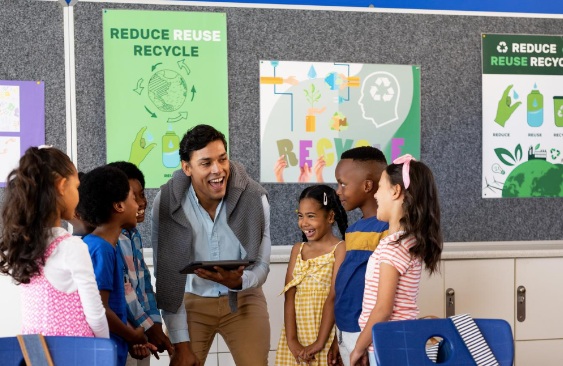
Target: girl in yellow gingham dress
[{"x": 309, "y": 291}]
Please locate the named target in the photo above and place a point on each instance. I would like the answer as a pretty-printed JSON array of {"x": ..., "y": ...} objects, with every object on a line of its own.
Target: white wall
[{"x": 10, "y": 308}]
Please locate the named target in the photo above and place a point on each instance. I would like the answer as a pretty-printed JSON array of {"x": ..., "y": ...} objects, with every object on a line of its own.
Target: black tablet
[{"x": 208, "y": 265}]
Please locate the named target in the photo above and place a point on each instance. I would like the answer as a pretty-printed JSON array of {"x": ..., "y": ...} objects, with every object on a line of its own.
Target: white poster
[
  {"x": 522, "y": 116},
  {"x": 311, "y": 112}
]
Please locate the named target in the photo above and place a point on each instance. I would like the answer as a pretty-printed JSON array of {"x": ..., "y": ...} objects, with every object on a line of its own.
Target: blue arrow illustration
[{"x": 291, "y": 100}]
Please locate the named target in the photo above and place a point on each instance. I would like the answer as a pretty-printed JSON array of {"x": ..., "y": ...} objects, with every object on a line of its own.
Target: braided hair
[{"x": 329, "y": 201}]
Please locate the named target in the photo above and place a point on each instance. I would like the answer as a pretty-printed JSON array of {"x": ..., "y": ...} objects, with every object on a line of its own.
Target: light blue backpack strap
[
  {"x": 34, "y": 350},
  {"x": 473, "y": 339}
]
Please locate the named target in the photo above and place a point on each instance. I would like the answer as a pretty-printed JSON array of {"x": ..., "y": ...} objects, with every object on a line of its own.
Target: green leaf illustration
[
  {"x": 312, "y": 95},
  {"x": 502, "y": 153},
  {"x": 518, "y": 152},
  {"x": 537, "y": 147}
]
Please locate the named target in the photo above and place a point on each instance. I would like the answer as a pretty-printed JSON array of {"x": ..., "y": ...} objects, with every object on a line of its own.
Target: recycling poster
[
  {"x": 165, "y": 72},
  {"x": 522, "y": 116},
  {"x": 22, "y": 121},
  {"x": 311, "y": 112}
]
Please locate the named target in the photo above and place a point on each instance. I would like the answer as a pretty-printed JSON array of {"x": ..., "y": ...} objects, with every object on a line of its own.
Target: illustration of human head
[{"x": 379, "y": 98}]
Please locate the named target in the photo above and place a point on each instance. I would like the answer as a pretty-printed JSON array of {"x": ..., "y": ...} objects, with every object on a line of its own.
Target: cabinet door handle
[
  {"x": 450, "y": 302},
  {"x": 521, "y": 303}
]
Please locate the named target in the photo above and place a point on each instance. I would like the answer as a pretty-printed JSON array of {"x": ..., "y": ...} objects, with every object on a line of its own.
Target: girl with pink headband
[{"x": 407, "y": 198}]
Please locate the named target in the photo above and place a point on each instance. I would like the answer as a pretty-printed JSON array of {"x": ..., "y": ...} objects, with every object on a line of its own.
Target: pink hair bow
[{"x": 406, "y": 161}]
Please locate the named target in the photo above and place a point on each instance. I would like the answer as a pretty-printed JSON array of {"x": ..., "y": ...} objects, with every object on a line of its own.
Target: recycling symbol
[
  {"x": 502, "y": 47},
  {"x": 560, "y": 111},
  {"x": 382, "y": 90},
  {"x": 555, "y": 153}
]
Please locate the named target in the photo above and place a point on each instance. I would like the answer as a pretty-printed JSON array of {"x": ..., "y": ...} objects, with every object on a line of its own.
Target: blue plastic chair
[
  {"x": 403, "y": 342},
  {"x": 65, "y": 351}
]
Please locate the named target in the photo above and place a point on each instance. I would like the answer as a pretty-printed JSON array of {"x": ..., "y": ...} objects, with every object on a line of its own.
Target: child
[
  {"x": 357, "y": 174},
  {"x": 139, "y": 294},
  {"x": 80, "y": 227},
  {"x": 58, "y": 287},
  {"x": 408, "y": 199},
  {"x": 107, "y": 202},
  {"x": 309, "y": 282}
]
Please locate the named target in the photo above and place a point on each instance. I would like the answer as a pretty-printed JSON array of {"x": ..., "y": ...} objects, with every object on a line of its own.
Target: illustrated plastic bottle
[
  {"x": 535, "y": 108},
  {"x": 558, "y": 110},
  {"x": 170, "y": 149}
]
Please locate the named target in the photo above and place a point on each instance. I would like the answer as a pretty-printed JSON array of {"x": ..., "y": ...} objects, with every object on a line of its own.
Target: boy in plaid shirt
[{"x": 139, "y": 294}]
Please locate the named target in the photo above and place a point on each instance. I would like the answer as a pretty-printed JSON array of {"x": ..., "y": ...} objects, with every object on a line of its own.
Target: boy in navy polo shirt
[
  {"x": 108, "y": 203},
  {"x": 357, "y": 174}
]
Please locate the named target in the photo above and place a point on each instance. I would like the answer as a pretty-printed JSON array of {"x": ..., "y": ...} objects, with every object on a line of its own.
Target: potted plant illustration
[{"x": 312, "y": 95}]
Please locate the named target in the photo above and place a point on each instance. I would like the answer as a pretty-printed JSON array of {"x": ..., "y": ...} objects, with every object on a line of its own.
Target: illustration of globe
[
  {"x": 167, "y": 90},
  {"x": 535, "y": 178}
]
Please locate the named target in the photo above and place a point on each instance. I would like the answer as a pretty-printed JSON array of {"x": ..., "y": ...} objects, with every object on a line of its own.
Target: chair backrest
[
  {"x": 404, "y": 342},
  {"x": 65, "y": 351}
]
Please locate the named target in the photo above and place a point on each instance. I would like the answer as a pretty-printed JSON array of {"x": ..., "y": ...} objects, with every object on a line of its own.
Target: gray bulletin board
[
  {"x": 448, "y": 49},
  {"x": 32, "y": 48}
]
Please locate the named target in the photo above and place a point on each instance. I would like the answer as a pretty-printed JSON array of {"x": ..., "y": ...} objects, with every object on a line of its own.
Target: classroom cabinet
[
  {"x": 543, "y": 280},
  {"x": 539, "y": 338},
  {"x": 546, "y": 352},
  {"x": 488, "y": 288},
  {"x": 482, "y": 288},
  {"x": 431, "y": 295}
]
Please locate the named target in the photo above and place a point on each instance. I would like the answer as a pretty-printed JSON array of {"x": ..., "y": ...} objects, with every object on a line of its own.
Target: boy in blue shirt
[
  {"x": 357, "y": 174},
  {"x": 108, "y": 203}
]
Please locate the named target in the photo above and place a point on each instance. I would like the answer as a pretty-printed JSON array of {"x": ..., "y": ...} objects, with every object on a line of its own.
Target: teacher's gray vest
[{"x": 245, "y": 216}]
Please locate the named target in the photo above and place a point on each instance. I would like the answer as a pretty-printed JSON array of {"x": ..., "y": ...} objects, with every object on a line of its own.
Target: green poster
[
  {"x": 522, "y": 54},
  {"x": 165, "y": 72}
]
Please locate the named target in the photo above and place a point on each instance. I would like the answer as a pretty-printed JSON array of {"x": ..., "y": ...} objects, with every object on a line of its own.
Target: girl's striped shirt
[{"x": 396, "y": 254}]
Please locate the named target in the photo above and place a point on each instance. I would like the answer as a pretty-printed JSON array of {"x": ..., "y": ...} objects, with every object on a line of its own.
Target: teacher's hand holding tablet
[{"x": 229, "y": 278}]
